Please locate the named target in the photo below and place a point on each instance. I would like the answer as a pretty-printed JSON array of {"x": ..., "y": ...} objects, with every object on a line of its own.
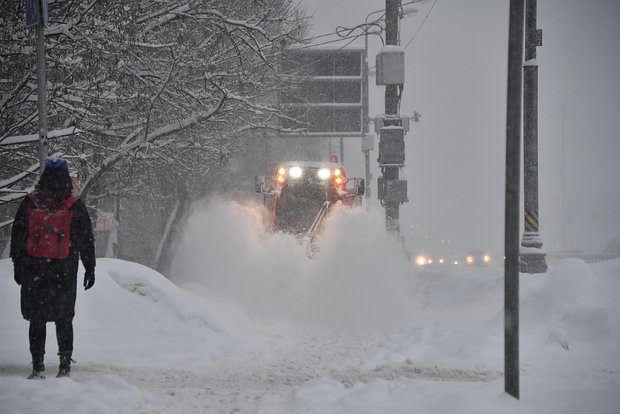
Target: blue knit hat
[{"x": 55, "y": 163}]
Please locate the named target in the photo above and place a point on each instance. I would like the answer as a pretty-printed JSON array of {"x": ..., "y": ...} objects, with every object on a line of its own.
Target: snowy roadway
[{"x": 248, "y": 324}]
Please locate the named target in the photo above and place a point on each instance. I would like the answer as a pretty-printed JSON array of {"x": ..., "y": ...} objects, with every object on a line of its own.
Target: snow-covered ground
[{"x": 249, "y": 324}]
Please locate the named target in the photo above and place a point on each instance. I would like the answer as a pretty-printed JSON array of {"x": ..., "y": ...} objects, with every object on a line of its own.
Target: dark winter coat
[{"x": 48, "y": 286}]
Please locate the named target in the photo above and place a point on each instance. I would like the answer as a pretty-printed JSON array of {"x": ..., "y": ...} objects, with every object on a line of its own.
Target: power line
[
  {"x": 353, "y": 38},
  {"x": 420, "y": 28},
  {"x": 344, "y": 33},
  {"x": 349, "y": 31}
]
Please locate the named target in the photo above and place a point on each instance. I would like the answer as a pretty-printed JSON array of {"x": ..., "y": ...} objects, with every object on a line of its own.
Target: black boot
[
  {"x": 38, "y": 368},
  {"x": 65, "y": 365}
]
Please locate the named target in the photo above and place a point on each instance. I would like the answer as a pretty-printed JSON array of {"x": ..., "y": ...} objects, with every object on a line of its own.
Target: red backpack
[{"x": 49, "y": 230}]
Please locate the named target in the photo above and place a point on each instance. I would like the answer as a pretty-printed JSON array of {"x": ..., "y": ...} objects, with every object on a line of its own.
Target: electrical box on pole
[
  {"x": 368, "y": 142},
  {"x": 390, "y": 63},
  {"x": 394, "y": 190},
  {"x": 392, "y": 147}
]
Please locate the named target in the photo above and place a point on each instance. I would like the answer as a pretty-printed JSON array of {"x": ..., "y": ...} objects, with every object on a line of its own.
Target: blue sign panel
[
  {"x": 32, "y": 12},
  {"x": 36, "y": 12}
]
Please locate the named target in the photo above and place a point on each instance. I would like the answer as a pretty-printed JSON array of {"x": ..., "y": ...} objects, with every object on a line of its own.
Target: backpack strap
[
  {"x": 66, "y": 205},
  {"x": 35, "y": 200}
]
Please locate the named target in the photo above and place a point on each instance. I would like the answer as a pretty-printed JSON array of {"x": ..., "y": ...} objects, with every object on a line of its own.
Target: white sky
[{"x": 456, "y": 78}]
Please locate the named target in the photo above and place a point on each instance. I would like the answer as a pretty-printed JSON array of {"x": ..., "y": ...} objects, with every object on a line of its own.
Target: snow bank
[
  {"x": 572, "y": 304},
  {"x": 406, "y": 396},
  {"x": 133, "y": 313},
  {"x": 575, "y": 303},
  {"x": 102, "y": 395},
  {"x": 223, "y": 342}
]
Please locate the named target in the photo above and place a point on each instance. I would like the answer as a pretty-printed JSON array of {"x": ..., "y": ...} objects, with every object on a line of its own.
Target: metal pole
[
  {"x": 41, "y": 89},
  {"x": 511, "y": 246},
  {"x": 365, "y": 103},
  {"x": 391, "y": 38},
  {"x": 368, "y": 177},
  {"x": 392, "y": 214},
  {"x": 564, "y": 222},
  {"x": 533, "y": 256}
]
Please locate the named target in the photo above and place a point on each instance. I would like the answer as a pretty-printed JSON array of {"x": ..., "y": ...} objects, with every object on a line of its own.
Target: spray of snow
[{"x": 358, "y": 278}]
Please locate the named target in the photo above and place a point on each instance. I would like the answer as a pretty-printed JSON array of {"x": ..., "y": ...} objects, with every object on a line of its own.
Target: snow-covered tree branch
[{"x": 192, "y": 77}]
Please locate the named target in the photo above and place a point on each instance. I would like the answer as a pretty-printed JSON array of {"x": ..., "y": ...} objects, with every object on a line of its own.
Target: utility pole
[
  {"x": 392, "y": 191},
  {"x": 367, "y": 140},
  {"x": 513, "y": 177},
  {"x": 36, "y": 15},
  {"x": 532, "y": 253}
]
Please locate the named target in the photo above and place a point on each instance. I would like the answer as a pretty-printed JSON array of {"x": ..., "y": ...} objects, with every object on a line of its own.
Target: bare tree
[{"x": 161, "y": 92}]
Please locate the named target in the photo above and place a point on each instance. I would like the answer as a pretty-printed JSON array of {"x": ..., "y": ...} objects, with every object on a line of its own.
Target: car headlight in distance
[
  {"x": 295, "y": 172},
  {"x": 469, "y": 259},
  {"x": 420, "y": 260},
  {"x": 324, "y": 173},
  {"x": 486, "y": 258}
]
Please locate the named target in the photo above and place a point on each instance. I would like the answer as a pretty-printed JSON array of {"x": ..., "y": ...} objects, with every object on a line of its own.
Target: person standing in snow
[{"x": 45, "y": 262}]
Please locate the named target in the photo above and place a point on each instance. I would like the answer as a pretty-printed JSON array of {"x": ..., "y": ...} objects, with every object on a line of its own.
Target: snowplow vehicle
[{"x": 300, "y": 194}]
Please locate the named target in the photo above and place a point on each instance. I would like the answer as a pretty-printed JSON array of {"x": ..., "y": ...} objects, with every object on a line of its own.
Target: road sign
[
  {"x": 328, "y": 100},
  {"x": 36, "y": 12},
  {"x": 105, "y": 221}
]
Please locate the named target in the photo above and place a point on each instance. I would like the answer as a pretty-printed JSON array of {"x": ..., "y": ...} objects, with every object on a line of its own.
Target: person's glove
[
  {"x": 19, "y": 269},
  {"x": 89, "y": 279}
]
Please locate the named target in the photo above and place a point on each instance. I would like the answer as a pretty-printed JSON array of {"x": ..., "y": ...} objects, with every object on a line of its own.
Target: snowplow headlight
[
  {"x": 295, "y": 172},
  {"x": 337, "y": 172},
  {"x": 324, "y": 173},
  {"x": 280, "y": 175},
  {"x": 338, "y": 181}
]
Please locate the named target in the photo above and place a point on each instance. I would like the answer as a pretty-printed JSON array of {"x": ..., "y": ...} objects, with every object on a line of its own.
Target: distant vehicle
[
  {"x": 477, "y": 258},
  {"x": 422, "y": 259},
  {"x": 301, "y": 193}
]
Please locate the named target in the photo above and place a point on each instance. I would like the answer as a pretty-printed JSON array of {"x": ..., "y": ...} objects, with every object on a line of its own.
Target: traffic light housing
[{"x": 391, "y": 146}]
